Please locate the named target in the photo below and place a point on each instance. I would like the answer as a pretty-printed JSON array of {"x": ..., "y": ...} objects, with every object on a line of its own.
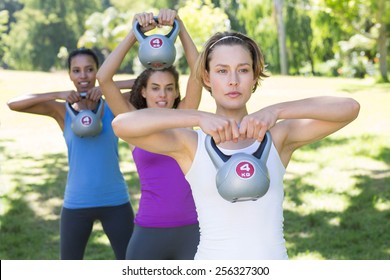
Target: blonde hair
[{"x": 230, "y": 39}]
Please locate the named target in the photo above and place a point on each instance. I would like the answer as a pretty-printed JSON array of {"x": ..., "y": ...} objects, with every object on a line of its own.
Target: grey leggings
[
  {"x": 177, "y": 243},
  {"x": 76, "y": 227}
]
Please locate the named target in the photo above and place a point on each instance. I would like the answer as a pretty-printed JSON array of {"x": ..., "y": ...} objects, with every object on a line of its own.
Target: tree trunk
[
  {"x": 382, "y": 42},
  {"x": 278, "y": 4}
]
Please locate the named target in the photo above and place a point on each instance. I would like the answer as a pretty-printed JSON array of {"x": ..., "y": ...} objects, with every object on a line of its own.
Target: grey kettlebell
[
  {"x": 86, "y": 123},
  {"x": 157, "y": 51},
  {"x": 241, "y": 177}
]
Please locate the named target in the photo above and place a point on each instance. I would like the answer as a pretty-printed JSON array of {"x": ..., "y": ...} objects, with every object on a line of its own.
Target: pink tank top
[{"x": 166, "y": 197}]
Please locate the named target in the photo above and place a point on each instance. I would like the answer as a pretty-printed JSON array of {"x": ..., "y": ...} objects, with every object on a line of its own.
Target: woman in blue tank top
[
  {"x": 166, "y": 225},
  {"x": 95, "y": 188}
]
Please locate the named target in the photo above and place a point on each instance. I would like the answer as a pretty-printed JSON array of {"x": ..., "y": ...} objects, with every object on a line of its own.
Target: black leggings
[
  {"x": 76, "y": 227},
  {"x": 177, "y": 243}
]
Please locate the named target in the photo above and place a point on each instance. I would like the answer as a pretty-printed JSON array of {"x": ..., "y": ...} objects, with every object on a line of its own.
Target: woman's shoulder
[{"x": 279, "y": 134}]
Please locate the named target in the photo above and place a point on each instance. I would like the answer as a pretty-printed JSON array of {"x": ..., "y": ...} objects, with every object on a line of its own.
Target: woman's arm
[
  {"x": 125, "y": 84},
  {"x": 312, "y": 119},
  {"x": 159, "y": 131},
  {"x": 301, "y": 121},
  {"x": 165, "y": 131},
  {"x": 36, "y": 103},
  {"x": 194, "y": 89},
  {"x": 95, "y": 93},
  {"x": 111, "y": 90},
  {"x": 44, "y": 104}
]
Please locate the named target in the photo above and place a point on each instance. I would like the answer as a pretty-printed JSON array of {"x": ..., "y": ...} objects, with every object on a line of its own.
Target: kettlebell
[
  {"x": 86, "y": 123},
  {"x": 157, "y": 51},
  {"x": 241, "y": 177}
]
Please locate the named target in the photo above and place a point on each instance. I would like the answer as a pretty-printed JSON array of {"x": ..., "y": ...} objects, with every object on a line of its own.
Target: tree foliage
[
  {"x": 201, "y": 20},
  {"x": 4, "y": 17},
  {"x": 259, "y": 24},
  {"x": 105, "y": 30},
  {"x": 370, "y": 18},
  {"x": 41, "y": 28},
  {"x": 323, "y": 37}
]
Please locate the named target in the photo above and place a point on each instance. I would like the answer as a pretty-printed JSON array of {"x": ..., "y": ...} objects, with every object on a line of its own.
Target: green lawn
[{"x": 337, "y": 191}]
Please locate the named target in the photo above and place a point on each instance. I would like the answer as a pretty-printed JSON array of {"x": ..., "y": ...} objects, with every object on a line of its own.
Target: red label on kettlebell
[
  {"x": 86, "y": 121},
  {"x": 245, "y": 170},
  {"x": 156, "y": 43}
]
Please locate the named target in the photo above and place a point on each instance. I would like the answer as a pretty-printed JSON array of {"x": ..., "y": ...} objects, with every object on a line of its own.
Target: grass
[
  {"x": 337, "y": 191},
  {"x": 339, "y": 208}
]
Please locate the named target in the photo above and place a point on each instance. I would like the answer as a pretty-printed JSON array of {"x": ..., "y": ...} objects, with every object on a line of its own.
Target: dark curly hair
[{"x": 136, "y": 98}]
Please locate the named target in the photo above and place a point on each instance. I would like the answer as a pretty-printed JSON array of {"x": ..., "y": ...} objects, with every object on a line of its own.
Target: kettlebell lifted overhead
[
  {"x": 86, "y": 123},
  {"x": 157, "y": 51},
  {"x": 241, "y": 177}
]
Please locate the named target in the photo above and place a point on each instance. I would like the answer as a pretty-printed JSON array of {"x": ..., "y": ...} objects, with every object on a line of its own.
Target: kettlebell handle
[
  {"x": 264, "y": 146},
  {"x": 70, "y": 109},
  {"x": 262, "y": 151},
  {"x": 224, "y": 157},
  {"x": 73, "y": 113},
  {"x": 137, "y": 28},
  {"x": 100, "y": 106}
]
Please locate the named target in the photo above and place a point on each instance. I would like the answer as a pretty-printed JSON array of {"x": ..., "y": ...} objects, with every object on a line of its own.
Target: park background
[{"x": 337, "y": 191}]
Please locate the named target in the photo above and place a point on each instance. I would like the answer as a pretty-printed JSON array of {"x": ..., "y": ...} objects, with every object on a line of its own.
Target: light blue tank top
[{"x": 94, "y": 177}]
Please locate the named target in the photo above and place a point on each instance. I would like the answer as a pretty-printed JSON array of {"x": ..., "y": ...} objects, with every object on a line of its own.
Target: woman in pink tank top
[{"x": 166, "y": 224}]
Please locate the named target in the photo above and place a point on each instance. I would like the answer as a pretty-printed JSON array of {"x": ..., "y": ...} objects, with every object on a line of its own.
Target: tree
[
  {"x": 299, "y": 38},
  {"x": 231, "y": 8},
  {"x": 7, "y": 10},
  {"x": 382, "y": 17},
  {"x": 258, "y": 23},
  {"x": 202, "y": 20},
  {"x": 34, "y": 44},
  {"x": 105, "y": 30},
  {"x": 370, "y": 18},
  {"x": 3, "y": 28},
  {"x": 123, "y": 6},
  {"x": 278, "y": 5},
  {"x": 11, "y": 6}
]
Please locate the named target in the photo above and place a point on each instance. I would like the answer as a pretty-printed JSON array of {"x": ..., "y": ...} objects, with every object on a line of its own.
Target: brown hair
[
  {"x": 136, "y": 98},
  {"x": 231, "y": 38}
]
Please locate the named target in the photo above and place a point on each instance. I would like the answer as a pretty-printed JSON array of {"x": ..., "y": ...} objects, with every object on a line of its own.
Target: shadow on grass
[
  {"x": 30, "y": 226},
  {"x": 361, "y": 231},
  {"x": 30, "y": 223}
]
